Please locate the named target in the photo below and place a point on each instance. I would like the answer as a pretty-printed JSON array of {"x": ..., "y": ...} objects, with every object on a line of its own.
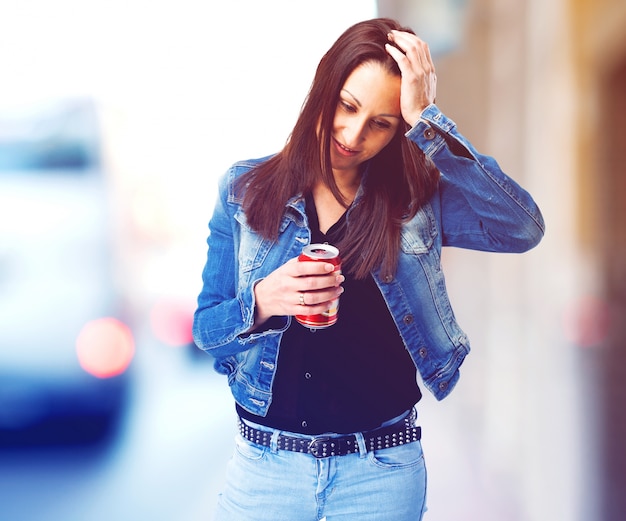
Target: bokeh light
[
  {"x": 586, "y": 322},
  {"x": 171, "y": 321},
  {"x": 105, "y": 347}
]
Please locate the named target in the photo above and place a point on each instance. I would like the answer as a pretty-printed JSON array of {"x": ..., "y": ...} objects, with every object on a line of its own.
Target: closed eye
[
  {"x": 381, "y": 124},
  {"x": 348, "y": 107}
]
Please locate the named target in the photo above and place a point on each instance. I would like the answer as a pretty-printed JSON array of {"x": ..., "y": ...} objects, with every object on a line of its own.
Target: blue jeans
[{"x": 264, "y": 483}]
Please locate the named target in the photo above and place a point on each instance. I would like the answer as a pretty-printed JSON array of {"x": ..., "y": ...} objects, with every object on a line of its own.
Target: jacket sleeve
[
  {"x": 225, "y": 312},
  {"x": 479, "y": 206}
]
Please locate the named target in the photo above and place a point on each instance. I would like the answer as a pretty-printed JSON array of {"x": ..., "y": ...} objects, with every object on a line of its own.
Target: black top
[{"x": 349, "y": 377}]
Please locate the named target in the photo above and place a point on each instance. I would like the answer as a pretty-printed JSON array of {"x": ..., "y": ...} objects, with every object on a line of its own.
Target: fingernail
[{"x": 390, "y": 36}]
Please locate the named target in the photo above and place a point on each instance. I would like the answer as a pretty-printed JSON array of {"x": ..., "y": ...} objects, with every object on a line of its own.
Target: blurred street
[{"x": 164, "y": 464}]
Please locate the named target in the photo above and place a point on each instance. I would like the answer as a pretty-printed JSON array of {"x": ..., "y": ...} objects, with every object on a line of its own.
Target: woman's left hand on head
[{"x": 419, "y": 81}]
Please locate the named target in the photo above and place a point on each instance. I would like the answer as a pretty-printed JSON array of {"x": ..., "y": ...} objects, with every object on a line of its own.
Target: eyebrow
[{"x": 356, "y": 100}]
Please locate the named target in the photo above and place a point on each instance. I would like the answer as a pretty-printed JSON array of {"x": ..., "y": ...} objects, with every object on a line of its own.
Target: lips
[{"x": 344, "y": 150}]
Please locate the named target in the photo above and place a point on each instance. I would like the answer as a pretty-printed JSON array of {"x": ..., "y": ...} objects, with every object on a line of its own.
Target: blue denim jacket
[{"x": 476, "y": 206}]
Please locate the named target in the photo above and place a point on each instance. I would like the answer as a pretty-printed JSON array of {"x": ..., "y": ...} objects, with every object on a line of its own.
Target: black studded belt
[{"x": 400, "y": 433}]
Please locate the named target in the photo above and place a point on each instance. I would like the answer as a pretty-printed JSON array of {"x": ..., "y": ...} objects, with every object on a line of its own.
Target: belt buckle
[{"x": 318, "y": 447}]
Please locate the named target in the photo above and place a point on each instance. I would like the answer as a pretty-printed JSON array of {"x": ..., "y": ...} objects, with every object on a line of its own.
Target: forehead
[{"x": 374, "y": 87}]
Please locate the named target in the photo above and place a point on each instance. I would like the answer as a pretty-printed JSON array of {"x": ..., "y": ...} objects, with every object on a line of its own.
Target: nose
[{"x": 355, "y": 132}]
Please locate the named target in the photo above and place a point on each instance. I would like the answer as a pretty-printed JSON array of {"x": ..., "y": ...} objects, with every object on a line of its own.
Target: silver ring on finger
[{"x": 302, "y": 299}]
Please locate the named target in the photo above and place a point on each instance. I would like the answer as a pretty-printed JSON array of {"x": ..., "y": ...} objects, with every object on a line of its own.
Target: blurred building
[
  {"x": 599, "y": 43},
  {"x": 542, "y": 87}
]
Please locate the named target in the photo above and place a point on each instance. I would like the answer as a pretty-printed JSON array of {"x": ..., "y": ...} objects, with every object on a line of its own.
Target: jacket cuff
[
  {"x": 427, "y": 132},
  {"x": 270, "y": 326}
]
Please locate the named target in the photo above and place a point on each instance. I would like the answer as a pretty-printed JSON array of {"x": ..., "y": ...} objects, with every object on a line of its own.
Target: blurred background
[{"x": 116, "y": 119}]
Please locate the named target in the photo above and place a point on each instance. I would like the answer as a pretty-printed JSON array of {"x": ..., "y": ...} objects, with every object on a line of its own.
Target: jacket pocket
[
  {"x": 418, "y": 235},
  {"x": 252, "y": 247}
]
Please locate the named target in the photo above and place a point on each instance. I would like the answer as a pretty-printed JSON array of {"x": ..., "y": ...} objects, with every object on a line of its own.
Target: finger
[
  {"x": 428, "y": 56},
  {"x": 295, "y": 268},
  {"x": 317, "y": 301},
  {"x": 323, "y": 297},
  {"x": 409, "y": 62},
  {"x": 307, "y": 268},
  {"x": 399, "y": 56},
  {"x": 413, "y": 47},
  {"x": 318, "y": 282},
  {"x": 404, "y": 40}
]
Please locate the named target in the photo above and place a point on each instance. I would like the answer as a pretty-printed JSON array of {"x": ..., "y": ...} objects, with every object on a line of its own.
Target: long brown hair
[{"x": 399, "y": 181}]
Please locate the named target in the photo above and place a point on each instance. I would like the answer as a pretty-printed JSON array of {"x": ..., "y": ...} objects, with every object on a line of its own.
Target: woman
[{"x": 327, "y": 420}]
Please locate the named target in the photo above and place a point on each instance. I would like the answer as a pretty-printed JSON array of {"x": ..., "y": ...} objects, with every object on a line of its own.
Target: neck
[
  {"x": 329, "y": 209},
  {"x": 348, "y": 183}
]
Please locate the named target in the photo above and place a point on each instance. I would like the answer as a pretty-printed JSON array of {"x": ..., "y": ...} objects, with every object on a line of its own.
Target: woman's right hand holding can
[{"x": 297, "y": 288}]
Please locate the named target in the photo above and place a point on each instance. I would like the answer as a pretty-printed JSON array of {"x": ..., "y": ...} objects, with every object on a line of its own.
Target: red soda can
[{"x": 321, "y": 253}]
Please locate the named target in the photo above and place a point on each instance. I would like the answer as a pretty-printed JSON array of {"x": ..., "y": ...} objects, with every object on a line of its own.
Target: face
[{"x": 366, "y": 118}]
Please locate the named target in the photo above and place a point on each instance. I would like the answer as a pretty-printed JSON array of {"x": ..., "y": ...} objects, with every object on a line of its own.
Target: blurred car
[{"x": 65, "y": 350}]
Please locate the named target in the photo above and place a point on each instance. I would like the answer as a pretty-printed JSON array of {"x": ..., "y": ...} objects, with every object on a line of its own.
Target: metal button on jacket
[{"x": 429, "y": 133}]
